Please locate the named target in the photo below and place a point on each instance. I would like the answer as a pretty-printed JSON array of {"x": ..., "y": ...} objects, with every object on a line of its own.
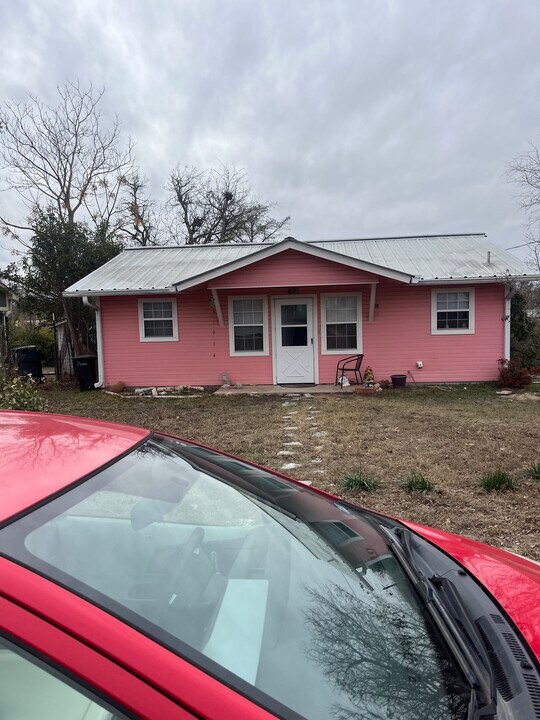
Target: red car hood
[{"x": 512, "y": 581}]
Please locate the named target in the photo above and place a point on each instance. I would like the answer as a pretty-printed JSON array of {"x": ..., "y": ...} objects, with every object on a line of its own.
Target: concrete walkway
[{"x": 281, "y": 390}]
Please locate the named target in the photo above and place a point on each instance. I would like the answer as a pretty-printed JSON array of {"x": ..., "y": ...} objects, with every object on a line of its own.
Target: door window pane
[
  {"x": 294, "y": 336},
  {"x": 294, "y": 314},
  {"x": 28, "y": 691}
]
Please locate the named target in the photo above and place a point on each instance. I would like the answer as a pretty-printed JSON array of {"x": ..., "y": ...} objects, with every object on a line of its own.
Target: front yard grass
[{"x": 452, "y": 437}]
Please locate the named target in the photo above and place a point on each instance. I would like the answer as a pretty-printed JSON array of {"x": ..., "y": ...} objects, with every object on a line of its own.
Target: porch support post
[
  {"x": 372, "y": 302},
  {"x": 217, "y": 306}
]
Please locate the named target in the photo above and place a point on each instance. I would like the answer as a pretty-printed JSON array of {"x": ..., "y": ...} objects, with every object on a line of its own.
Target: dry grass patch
[{"x": 452, "y": 437}]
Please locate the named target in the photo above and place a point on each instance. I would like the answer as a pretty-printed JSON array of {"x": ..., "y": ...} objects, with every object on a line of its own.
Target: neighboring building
[
  {"x": 287, "y": 312},
  {"x": 64, "y": 351},
  {"x": 7, "y": 300}
]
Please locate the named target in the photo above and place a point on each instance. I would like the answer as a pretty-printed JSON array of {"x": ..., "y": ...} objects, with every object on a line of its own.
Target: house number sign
[{"x": 293, "y": 291}]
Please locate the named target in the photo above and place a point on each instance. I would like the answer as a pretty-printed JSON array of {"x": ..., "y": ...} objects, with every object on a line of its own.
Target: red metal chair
[{"x": 349, "y": 364}]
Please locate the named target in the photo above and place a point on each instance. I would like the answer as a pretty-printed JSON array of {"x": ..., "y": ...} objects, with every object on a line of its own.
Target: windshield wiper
[{"x": 451, "y": 617}]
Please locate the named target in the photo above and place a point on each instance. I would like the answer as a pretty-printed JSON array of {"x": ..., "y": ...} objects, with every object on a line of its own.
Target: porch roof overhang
[
  {"x": 292, "y": 244},
  {"x": 265, "y": 252}
]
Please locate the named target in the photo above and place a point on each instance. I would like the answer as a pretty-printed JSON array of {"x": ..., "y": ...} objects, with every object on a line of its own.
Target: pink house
[{"x": 285, "y": 313}]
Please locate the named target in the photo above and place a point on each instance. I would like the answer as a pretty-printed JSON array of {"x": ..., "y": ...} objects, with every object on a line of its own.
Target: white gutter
[
  {"x": 473, "y": 280},
  {"x": 99, "y": 339},
  {"x": 127, "y": 291}
]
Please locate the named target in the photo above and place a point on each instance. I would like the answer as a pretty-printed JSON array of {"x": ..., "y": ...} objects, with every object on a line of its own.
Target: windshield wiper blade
[{"x": 446, "y": 608}]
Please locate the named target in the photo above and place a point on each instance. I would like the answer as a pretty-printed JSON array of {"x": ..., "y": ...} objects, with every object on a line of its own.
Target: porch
[{"x": 305, "y": 390}]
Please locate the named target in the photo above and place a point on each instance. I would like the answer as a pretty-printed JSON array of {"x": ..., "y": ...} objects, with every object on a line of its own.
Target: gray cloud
[{"x": 358, "y": 118}]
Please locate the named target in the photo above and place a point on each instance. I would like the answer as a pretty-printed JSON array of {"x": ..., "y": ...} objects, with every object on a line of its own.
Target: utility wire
[{"x": 532, "y": 242}]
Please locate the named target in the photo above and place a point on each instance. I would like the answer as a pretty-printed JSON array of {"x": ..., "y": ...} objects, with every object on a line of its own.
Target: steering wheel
[{"x": 188, "y": 549}]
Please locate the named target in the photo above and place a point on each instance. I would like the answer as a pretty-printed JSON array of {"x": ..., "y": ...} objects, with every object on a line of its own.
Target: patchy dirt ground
[{"x": 452, "y": 436}]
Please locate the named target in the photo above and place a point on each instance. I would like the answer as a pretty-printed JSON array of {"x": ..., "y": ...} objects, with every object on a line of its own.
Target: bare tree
[
  {"x": 64, "y": 158},
  {"x": 381, "y": 657},
  {"x": 217, "y": 207},
  {"x": 260, "y": 226},
  {"x": 525, "y": 171},
  {"x": 533, "y": 242},
  {"x": 142, "y": 221}
]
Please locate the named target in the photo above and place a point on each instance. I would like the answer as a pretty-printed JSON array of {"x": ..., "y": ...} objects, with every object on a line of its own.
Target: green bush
[
  {"x": 20, "y": 394},
  {"x": 534, "y": 471},
  {"x": 357, "y": 480},
  {"x": 498, "y": 481},
  {"x": 416, "y": 482},
  {"x": 31, "y": 334}
]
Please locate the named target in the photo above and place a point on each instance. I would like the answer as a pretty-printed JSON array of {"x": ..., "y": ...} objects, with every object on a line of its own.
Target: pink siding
[
  {"x": 199, "y": 357},
  {"x": 399, "y": 336},
  {"x": 289, "y": 268}
]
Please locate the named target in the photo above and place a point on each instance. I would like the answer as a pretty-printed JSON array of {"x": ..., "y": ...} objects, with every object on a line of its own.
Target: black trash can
[
  {"x": 28, "y": 359},
  {"x": 85, "y": 371},
  {"x": 398, "y": 381}
]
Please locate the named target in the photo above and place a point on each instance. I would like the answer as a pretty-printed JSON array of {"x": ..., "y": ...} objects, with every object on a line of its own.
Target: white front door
[{"x": 293, "y": 323}]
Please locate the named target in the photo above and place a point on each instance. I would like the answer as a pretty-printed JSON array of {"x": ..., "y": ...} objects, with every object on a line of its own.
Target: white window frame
[
  {"x": 248, "y": 353},
  {"x": 472, "y": 311},
  {"x": 174, "y": 337},
  {"x": 359, "y": 341}
]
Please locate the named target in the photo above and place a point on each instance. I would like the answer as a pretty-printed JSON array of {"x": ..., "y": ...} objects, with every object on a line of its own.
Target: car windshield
[{"x": 291, "y": 597}]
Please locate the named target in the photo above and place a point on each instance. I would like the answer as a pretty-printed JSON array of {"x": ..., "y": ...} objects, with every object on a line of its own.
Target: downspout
[
  {"x": 509, "y": 291},
  {"x": 99, "y": 339}
]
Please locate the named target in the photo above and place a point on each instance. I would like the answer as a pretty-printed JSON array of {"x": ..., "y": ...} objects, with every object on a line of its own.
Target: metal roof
[{"x": 423, "y": 259}]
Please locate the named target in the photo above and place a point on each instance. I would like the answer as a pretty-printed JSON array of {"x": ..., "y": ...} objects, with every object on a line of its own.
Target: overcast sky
[{"x": 358, "y": 118}]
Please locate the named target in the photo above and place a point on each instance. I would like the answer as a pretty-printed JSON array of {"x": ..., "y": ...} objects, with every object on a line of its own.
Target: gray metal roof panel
[
  {"x": 427, "y": 258},
  {"x": 430, "y": 258},
  {"x": 157, "y": 268}
]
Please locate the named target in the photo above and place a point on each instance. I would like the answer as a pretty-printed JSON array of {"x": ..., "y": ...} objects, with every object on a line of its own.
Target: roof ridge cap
[
  {"x": 185, "y": 246},
  {"x": 421, "y": 236},
  {"x": 399, "y": 237}
]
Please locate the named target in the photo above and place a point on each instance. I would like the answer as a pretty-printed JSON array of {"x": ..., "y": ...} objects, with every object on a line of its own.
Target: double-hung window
[
  {"x": 248, "y": 326},
  {"x": 158, "y": 320},
  {"x": 341, "y": 323},
  {"x": 452, "y": 311}
]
